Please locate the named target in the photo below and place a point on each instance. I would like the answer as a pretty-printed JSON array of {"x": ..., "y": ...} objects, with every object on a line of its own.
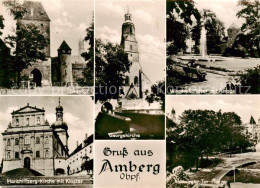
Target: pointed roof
[
  {"x": 128, "y": 15},
  {"x": 233, "y": 25},
  {"x": 252, "y": 121},
  {"x": 27, "y": 109},
  {"x": 35, "y": 11},
  {"x": 64, "y": 46}
]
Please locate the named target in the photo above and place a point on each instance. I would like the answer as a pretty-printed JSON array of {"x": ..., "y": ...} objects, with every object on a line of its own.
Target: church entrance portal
[
  {"x": 27, "y": 162},
  {"x": 37, "y": 77},
  {"x": 60, "y": 171}
]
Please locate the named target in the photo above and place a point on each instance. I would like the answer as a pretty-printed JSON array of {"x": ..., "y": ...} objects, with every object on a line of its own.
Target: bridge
[{"x": 235, "y": 167}]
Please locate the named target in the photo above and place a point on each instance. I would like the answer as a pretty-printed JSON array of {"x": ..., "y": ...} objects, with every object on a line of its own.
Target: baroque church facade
[
  {"x": 136, "y": 83},
  {"x": 31, "y": 142},
  {"x": 66, "y": 68}
]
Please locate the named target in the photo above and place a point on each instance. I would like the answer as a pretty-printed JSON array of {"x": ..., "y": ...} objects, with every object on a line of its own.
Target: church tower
[
  {"x": 64, "y": 64},
  {"x": 60, "y": 127},
  {"x": 40, "y": 71},
  {"x": 133, "y": 83}
]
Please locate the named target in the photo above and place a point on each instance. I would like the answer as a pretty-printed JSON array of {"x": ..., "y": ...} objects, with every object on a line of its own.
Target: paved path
[
  {"x": 244, "y": 185},
  {"x": 214, "y": 83}
]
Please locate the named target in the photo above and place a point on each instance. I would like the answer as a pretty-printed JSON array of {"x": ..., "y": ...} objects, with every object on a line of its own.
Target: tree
[
  {"x": 196, "y": 35},
  {"x": 179, "y": 16},
  {"x": 1, "y": 24},
  {"x": 215, "y": 31},
  {"x": 88, "y": 72},
  {"x": 205, "y": 132},
  {"x": 198, "y": 132},
  {"x": 111, "y": 65},
  {"x": 27, "y": 43},
  {"x": 250, "y": 81},
  {"x": 157, "y": 94},
  {"x": 251, "y": 13},
  {"x": 5, "y": 58}
]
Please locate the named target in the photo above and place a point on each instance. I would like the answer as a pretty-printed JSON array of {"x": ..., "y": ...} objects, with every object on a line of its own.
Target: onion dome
[
  {"x": 59, "y": 108},
  {"x": 59, "y": 123}
]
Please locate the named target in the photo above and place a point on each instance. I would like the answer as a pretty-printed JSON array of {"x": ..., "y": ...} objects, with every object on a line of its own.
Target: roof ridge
[
  {"x": 64, "y": 45},
  {"x": 27, "y": 106}
]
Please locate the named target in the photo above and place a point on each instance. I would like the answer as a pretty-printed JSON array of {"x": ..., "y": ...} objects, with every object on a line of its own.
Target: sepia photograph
[
  {"x": 213, "y": 141},
  {"x": 46, "y": 141},
  {"x": 129, "y": 69},
  {"x": 46, "y": 47},
  {"x": 213, "y": 47}
]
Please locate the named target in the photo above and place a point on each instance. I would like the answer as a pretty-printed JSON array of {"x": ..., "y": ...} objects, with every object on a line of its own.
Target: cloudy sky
[
  {"x": 225, "y": 10},
  {"x": 149, "y": 19},
  {"x": 69, "y": 20},
  {"x": 78, "y": 114},
  {"x": 243, "y": 105}
]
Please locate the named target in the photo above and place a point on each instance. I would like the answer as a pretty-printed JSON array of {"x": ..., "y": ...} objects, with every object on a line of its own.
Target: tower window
[
  {"x": 8, "y": 155},
  {"x": 37, "y": 154},
  {"x": 38, "y": 120},
  {"x": 37, "y": 140},
  {"x": 17, "y": 155},
  {"x": 136, "y": 80},
  {"x": 17, "y": 122},
  {"x": 8, "y": 142},
  {"x": 27, "y": 139},
  {"x": 17, "y": 141},
  {"x": 131, "y": 47},
  {"x": 47, "y": 153},
  {"x": 27, "y": 121},
  {"x": 46, "y": 140}
]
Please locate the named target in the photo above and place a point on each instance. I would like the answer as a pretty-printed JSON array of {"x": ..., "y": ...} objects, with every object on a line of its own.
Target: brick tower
[{"x": 65, "y": 66}]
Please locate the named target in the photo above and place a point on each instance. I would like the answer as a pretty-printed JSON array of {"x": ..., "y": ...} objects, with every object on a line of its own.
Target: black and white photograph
[
  {"x": 129, "y": 69},
  {"x": 213, "y": 47},
  {"x": 46, "y": 141},
  {"x": 47, "y": 47},
  {"x": 213, "y": 141}
]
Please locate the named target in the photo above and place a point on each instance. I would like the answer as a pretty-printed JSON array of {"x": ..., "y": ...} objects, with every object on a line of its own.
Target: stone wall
[{"x": 44, "y": 67}]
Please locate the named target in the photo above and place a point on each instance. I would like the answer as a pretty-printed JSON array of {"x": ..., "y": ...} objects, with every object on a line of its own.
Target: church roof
[
  {"x": 252, "y": 121},
  {"x": 77, "y": 59},
  {"x": 35, "y": 11},
  {"x": 64, "y": 46},
  {"x": 233, "y": 25},
  {"x": 27, "y": 109},
  {"x": 87, "y": 142},
  {"x": 60, "y": 124},
  {"x": 131, "y": 37}
]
